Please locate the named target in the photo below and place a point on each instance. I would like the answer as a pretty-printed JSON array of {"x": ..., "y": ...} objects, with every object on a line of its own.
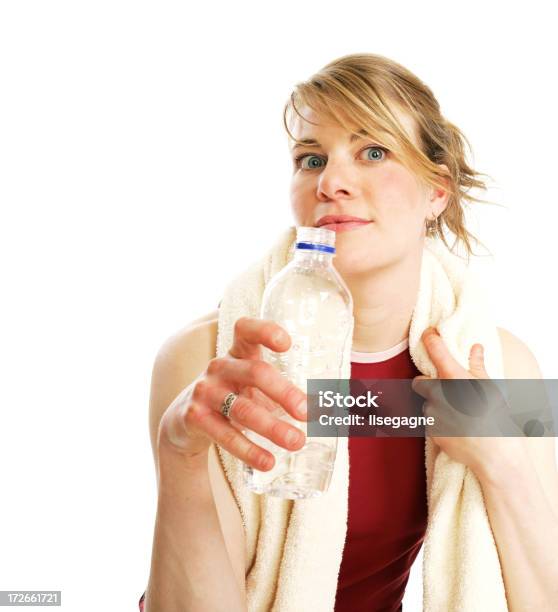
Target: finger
[
  {"x": 476, "y": 361},
  {"x": 428, "y": 410},
  {"x": 452, "y": 400},
  {"x": 446, "y": 365},
  {"x": 250, "y": 333},
  {"x": 218, "y": 428},
  {"x": 429, "y": 388},
  {"x": 250, "y": 415},
  {"x": 421, "y": 386},
  {"x": 239, "y": 373},
  {"x": 260, "y": 398}
]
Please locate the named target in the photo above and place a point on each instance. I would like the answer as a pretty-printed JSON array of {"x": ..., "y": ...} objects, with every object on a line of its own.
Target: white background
[{"x": 142, "y": 164}]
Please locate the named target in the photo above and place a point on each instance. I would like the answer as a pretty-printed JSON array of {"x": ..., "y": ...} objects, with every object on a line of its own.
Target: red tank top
[{"x": 387, "y": 504}]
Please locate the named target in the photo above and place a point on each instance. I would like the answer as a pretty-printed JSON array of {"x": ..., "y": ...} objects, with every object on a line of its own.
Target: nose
[{"x": 336, "y": 182}]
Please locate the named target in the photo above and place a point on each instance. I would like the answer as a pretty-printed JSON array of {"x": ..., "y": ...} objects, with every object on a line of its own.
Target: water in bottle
[{"x": 309, "y": 299}]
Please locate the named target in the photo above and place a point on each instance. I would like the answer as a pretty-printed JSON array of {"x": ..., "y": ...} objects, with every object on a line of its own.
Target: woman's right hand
[{"x": 194, "y": 420}]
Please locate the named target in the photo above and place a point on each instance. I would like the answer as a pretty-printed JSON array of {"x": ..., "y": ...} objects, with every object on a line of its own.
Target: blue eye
[
  {"x": 375, "y": 153},
  {"x": 312, "y": 164}
]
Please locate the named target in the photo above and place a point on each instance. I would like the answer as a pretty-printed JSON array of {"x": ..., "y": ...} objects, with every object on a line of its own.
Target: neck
[{"x": 383, "y": 303}]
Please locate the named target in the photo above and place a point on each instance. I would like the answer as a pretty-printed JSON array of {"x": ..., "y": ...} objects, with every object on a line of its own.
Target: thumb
[{"x": 476, "y": 361}]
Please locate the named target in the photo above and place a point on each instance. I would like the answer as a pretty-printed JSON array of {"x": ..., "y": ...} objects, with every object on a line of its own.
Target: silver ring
[{"x": 227, "y": 404}]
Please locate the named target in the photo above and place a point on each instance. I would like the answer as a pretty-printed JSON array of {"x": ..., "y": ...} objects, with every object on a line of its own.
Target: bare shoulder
[
  {"x": 519, "y": 362},
  {"x": 179, "y": 360}
]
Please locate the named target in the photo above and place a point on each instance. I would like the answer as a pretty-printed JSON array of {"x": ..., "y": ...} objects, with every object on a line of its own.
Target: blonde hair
[{"x": 365, "y": 91}]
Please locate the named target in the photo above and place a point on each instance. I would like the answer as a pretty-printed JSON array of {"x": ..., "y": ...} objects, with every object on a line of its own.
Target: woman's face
[{"x": 337, "y": 176}]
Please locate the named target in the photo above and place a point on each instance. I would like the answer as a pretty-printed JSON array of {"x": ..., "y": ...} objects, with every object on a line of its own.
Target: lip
[
  {"x": 347, "y": 226},
  {"x": 339, "y": 219},
  {"x": 341, "y": 223}
]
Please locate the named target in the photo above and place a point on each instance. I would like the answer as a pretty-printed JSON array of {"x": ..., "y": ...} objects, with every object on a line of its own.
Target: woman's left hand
[{"x": 486, "y": 456}]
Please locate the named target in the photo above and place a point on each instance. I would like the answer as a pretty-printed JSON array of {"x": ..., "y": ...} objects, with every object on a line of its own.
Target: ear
[{"x": 438, "y": 197}]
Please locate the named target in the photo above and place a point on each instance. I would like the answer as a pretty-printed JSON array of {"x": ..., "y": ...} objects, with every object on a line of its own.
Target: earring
[{"x": 431, "y": 226}]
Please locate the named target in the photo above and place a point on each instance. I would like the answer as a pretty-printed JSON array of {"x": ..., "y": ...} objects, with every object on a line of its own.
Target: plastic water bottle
[{"x": 309, "y": 299}]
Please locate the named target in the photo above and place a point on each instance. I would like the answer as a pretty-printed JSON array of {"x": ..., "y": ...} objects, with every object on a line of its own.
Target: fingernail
[
  {"x": 292, "y": 437},
  {"x": 302, "y": 408}
]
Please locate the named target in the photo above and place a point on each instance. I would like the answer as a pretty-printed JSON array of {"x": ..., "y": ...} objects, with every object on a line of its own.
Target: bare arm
[
  {"x": 191, "y": 567},
  {"x": 525, "y": 528},
  {"x": 522, "y": 505}
]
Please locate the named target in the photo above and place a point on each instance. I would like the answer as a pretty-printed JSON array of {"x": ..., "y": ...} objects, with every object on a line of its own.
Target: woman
[{"x": 375, "y": 161}]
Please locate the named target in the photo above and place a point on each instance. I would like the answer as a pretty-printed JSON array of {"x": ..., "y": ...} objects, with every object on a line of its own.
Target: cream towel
[{"x": 294, "y": 548}]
